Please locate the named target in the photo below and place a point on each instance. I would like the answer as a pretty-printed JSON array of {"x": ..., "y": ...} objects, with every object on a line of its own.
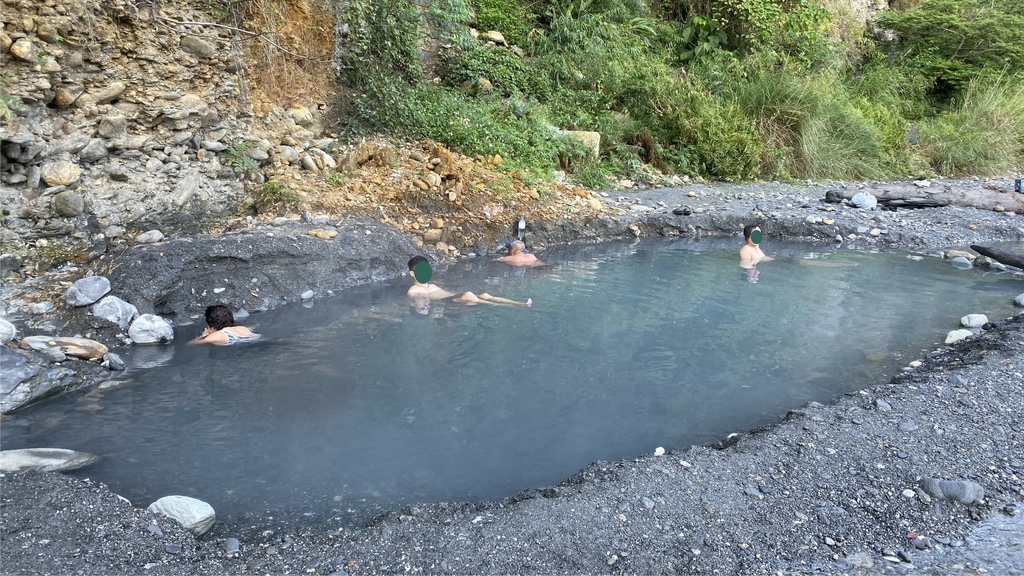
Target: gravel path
[{"x": 855, "y": 487}]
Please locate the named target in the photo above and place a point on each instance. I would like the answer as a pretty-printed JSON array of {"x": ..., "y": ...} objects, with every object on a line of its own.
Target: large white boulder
[
  {"x": 190, "y": 513},
  {"x": 44, "y": 460},
  {"x": 150, "y": 329}
]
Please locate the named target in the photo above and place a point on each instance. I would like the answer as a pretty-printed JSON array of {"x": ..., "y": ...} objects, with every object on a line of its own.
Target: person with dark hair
[
  {"x": 750, "y": 252},
  {"x": 221, "y": 329},
  {"x": 422, "y": 291},
  {"x": 518, "y": 256}
]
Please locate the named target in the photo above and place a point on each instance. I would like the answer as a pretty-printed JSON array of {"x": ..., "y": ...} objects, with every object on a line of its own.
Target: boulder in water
[{"x": 44, "y": 460}]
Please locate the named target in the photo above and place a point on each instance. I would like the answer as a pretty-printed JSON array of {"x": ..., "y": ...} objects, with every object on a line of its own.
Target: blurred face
[
  {"x": 422, "y": 272},
  {"x": 755, "y": 235}
]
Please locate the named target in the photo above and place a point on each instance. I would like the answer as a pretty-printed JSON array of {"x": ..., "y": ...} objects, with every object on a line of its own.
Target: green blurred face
[
  {"x": 422, "y": 272},
  {"x": 755, "y": 237}
]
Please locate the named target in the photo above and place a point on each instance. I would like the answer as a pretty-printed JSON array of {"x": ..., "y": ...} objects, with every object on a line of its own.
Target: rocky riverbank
[{"x": 857, "y": 487}]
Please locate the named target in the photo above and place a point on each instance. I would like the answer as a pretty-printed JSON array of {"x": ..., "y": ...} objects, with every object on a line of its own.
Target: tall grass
[
  {"x": 813, "y": 126},
  {"x": 983, "y": 135}
]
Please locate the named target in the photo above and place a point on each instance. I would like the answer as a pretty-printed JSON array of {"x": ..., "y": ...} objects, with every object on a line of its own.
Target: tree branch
[{"x": 248, "y": 33}]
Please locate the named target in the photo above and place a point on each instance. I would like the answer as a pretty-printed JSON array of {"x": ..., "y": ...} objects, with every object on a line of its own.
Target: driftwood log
[
  {"x": 911, "y": 196},
  {"x": 1000, "y": 256}
]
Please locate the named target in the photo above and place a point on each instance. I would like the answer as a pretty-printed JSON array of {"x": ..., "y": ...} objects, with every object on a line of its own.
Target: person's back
[
  {"x": 518, "y": 256},
  {"x": 221, "y": 329}
]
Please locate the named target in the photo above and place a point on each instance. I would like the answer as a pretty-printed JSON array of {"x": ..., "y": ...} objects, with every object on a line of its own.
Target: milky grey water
[{"x": 358, "y": 404}]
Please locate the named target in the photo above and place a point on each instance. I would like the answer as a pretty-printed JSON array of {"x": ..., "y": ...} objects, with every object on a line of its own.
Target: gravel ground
[{"x": 845, "y": 488}]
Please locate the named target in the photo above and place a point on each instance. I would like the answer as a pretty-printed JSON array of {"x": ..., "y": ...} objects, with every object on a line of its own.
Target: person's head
[
  {"x": 419, "y": 269},
  {"x": 416, "y": 260},
  {"x": 748, "y": 233},
  {"x": 516, "y": 247},
  {"x": 219, "y": 317}
]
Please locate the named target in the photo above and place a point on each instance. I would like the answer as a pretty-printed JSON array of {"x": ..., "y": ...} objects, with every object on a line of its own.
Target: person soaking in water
[
  {"x": 221, "y": 329},
  {"x": 419, "y": 269}
]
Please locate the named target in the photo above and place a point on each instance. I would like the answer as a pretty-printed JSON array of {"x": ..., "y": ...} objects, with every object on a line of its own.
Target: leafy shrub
[
  {"x": 510, "y": 17},
  {"x": 952, "y": 42},
  {"x": 506, "y": 71},
  {"x": 334, "y": 178},
  {"x": 983, "y": 135},
  {"x": 238, "y": 158},
  {"x": 272, "y": 193}
]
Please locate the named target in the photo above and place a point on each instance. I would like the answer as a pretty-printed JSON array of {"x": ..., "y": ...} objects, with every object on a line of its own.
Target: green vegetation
[
  {"x": 9, "y": 104},
  {"x": 273, "y": 193},
  {"x": 724, "y": 89},
  {"x": 238, "y": 159},
  {"x": 984, "y": 133},
  {"x": 334, "y": 178}
]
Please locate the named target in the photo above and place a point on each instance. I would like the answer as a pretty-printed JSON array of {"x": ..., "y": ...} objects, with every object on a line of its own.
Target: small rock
[
  {"x": 190, "y": 513},
  {"x": 87, "y": 290},
  {"x": 44, "y": 460},
  {"x": 961, "y": 263},
  {"x": 60, "y": 173},
  {"x": 957, "y": 335},
  {"x": 973, "y": 321},
  {"x": 864, "y": 201},
  {"x": 231, "y": 545},
  {"x": 962, "y": 491},
  {"x": 113, "y": 361},
  {"x": 307, "y": 295},
  {"x": 7, "y": 331},
  {"x": 149, "y": 237},
  {"x": 150, "y": 329},
  {"x": 78, "y": 347},
  {"x": 115, "y": 310}
]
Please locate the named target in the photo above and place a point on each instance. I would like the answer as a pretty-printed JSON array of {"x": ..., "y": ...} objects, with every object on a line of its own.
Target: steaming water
[{"x": 357, "y": 404}]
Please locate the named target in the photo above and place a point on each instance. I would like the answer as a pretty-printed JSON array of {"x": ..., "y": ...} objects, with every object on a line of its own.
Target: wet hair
[
  {"x": 416, "y": 260},
  {"x": 516, "y": 246},
  {"x": 219, "y": 317},
  {"x": 747, "y": 230}
]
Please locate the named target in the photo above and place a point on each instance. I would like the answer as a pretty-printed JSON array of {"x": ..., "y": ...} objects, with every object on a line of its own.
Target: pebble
[{"x": 173, "y": 549}]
